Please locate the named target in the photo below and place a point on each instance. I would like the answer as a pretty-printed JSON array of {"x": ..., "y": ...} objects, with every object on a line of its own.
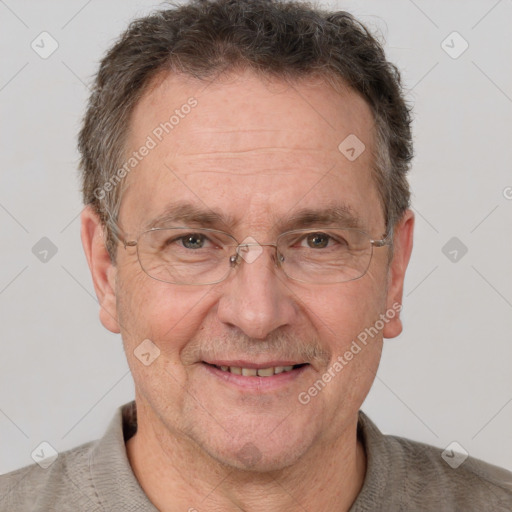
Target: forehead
[{"x": 253, "y": 147}]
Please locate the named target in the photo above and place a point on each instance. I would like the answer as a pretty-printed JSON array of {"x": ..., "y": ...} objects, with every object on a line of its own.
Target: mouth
[{"x": 251, "y": 370}]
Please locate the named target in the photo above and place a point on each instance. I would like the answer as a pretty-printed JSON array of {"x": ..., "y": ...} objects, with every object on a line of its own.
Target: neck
[{"x": 178, "y": 475}]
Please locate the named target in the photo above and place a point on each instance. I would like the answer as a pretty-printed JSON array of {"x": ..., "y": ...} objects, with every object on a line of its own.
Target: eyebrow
[
  {"x": 188, "y": 213},
  {"x": 338, "y": 214}
]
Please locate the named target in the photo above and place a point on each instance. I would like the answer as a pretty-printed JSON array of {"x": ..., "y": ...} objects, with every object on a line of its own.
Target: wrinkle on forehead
[
  {"x": 236, "y": 109},
  {"x": 244, "y": 139}
]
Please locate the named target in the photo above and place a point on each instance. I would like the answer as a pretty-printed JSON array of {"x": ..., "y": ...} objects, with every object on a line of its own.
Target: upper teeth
[{"x": 260, "y": 372}]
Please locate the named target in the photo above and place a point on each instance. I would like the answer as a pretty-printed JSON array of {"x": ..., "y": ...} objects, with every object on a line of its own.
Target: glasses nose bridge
[
  {"x": 236, "y": 258},
  {"x": 256, "y": 244}
]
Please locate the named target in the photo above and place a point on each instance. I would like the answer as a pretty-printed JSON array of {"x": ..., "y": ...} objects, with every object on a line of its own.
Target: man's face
[{"x": 256, "y": 152}]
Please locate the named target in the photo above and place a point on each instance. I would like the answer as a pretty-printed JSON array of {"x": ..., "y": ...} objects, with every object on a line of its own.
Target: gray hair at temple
[{"x": 205, "y": 38}]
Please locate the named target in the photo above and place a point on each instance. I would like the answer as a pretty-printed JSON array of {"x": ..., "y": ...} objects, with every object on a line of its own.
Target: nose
[{"x": 256, "y": 298}]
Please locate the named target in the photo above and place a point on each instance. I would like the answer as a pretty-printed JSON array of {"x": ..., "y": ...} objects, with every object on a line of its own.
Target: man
[{"x": 248, "y": 232}]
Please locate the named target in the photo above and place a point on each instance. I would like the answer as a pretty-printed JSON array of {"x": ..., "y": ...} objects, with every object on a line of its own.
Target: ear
[
  {"x": 102, "y": 269},
  {"x": 403, "y": 235}
]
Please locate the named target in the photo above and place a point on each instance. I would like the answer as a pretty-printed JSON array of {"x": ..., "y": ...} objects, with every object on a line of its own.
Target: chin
[
  {"x": 259, "y": 453},
  {"x": 251, "y": 459}
]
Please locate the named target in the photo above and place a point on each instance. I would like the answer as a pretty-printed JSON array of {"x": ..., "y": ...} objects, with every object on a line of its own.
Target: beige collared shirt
[{"x": 401, "y": 475}]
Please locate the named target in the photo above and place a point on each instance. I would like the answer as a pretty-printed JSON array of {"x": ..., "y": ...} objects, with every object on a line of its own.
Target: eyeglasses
[{"x": 191, "y": 256}]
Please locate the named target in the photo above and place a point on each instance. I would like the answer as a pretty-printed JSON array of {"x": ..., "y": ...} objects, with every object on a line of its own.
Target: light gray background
[{"x": 447, "y": 377}]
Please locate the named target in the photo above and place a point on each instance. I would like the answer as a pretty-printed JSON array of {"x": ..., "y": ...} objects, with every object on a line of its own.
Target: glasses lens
[
  {"x": 325, "y": 255},
  {"x": 185, "y": 255}
]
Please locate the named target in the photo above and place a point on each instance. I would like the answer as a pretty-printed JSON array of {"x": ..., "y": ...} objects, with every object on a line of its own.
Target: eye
[
  {"x": 317, "y": 240},
  {"x": 193, "y": 241}
]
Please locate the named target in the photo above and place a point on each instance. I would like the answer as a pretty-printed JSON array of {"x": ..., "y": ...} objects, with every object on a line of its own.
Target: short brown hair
[{"x": 205, "y": 37}]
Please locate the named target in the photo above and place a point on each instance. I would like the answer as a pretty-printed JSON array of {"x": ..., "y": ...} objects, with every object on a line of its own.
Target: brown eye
[
  {"x": 318, "y": 240},
  {"x": 193, "y": 241}
]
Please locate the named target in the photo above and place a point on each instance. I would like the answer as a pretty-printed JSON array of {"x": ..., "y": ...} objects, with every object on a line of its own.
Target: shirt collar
[
  {"x": 117, "y": 486},
  {"x": 110, "y": 471}
]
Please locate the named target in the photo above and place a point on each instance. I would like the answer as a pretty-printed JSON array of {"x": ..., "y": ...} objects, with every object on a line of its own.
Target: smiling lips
[{"x": 258, "y": 371}]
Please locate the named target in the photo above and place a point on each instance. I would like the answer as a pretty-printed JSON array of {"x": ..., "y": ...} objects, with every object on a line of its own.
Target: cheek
[
  {"x": 340, "y": 313},
  {"x": 168, "y": 315},
  {"x": 345, "y": 321}
]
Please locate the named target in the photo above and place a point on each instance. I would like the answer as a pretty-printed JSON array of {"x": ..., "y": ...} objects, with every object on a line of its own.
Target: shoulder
[
  {"x": 470, "y": 486},
  {"x": 61, "y": 486},
  {"x": 93, "y": 477},
  {"x": 408, "y": 475}
]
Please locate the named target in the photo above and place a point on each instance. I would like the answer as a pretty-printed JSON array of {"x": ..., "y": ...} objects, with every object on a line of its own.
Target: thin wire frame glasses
[{"x": 201, "y": 256}]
